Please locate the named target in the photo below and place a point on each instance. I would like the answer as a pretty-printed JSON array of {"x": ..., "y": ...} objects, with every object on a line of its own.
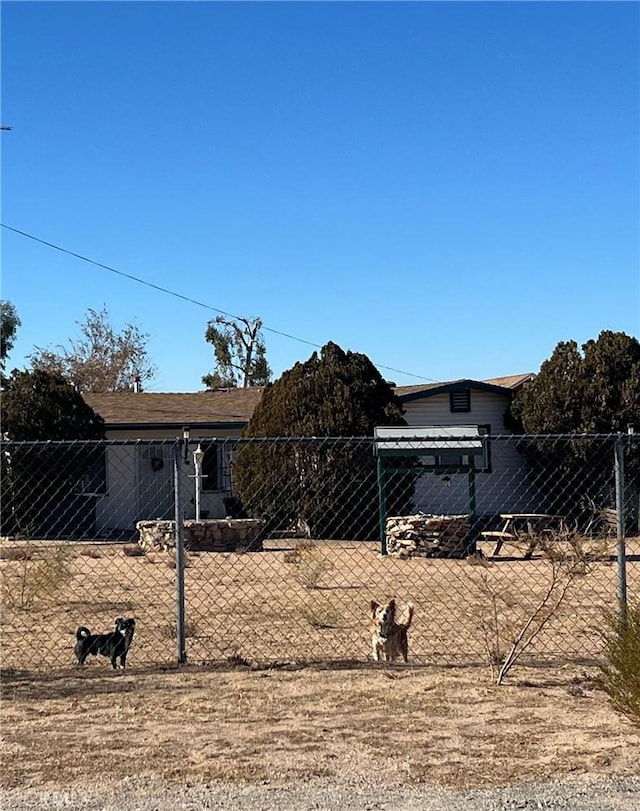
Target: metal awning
[
  {"x": 436, "y": 448},
  {"x": 429, "y": 440}
]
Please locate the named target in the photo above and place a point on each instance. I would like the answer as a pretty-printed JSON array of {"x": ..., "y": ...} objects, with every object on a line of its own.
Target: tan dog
[{"x": 389, "y": 637}]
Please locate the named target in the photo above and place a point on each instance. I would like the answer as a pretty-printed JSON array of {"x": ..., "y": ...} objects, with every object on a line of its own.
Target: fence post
[
  {"x": 179, "y": 527},
  {"x": 622, "y": 555}
]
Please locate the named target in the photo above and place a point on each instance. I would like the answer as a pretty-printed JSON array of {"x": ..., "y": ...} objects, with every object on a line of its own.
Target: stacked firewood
[{"x": 429, "y": 536}]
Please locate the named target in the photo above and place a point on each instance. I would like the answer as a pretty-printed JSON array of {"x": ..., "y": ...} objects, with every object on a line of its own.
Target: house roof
[
  {"x": 511, "y": 381},
  {"x": 232, "y": 408},
  {"x": 408, "y": 393},
  {"x": 219, "y": 408}
]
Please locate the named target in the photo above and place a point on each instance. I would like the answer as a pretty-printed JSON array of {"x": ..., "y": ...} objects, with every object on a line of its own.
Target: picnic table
[{"x": 521, "y": 526}]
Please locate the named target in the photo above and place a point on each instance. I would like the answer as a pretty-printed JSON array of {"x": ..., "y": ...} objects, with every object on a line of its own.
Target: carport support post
[
  {"x": 472, "y": 506},
  {"x": 179, "y": 525},
  {"x": 622, "y": 555},
  {"x": 382, "y": 502}
]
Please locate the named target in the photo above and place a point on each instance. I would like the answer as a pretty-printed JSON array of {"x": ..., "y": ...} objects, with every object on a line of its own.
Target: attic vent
[{"x": 460, "y": 400}]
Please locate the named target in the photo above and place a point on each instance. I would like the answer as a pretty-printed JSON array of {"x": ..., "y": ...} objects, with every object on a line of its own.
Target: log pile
[{"x": 429, "y": 536}]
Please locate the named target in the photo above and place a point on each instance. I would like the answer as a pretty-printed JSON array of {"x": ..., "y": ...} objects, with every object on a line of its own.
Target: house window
[
  {"x": 210, "y": 467},
  {"x": 460, "y": 401},
  {"x": 482, "y": 463},
  {"x": 94, "y": 480}
]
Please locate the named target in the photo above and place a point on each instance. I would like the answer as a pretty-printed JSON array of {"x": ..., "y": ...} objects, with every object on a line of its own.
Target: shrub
[
  {"x": 509, "y": 626},
  {"x": 133, "y": 550},
  {"x": 320, "y": 613},
  {"x": 311, "y": 565},
  {"x": 621, "y": 672},
  {"x": 191, "y": 629},
  {"x": 16, "y": 553},
  {"x": 34, "y": 578}
]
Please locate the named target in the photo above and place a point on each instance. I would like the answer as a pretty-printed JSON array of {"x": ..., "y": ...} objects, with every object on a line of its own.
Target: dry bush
[
  {"x": 34, "y": 578},
  {"x": 172, "y": 562},
  {"x": 320, "y": 613},
  {"x": 16, "y": 553},
  {"x": 133, "y": 550},
  {"x": 170, "y": 629},
  {"x": 89, "y": 552},
  {"x": 621, "y": 672},
  {"x": 478, "y": 558},
  {"x": 510, "y": 628},
  {"x": 311, "y": 564},
  {"x": 572, "y": 548}
]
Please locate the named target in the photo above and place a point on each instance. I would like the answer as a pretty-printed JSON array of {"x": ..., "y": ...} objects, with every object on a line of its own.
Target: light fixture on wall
[
  {"x": 446, "y": 480},
  {"x": 186, "y": 433}
]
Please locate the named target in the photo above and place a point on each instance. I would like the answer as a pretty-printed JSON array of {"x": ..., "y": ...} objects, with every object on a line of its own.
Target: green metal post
[
  {"x": 382, "y": 502},
  {"x": 472, "y": 503}
]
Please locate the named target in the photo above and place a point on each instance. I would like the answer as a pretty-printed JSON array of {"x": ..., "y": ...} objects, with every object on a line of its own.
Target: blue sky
[{"x": 450, "y": 188}]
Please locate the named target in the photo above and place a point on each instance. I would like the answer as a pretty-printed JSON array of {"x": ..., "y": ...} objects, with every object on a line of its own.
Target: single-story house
[{"x": 138, "y": 478}]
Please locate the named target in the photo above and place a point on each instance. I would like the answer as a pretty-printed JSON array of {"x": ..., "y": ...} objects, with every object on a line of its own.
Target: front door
[{"x": 155, "y": 488}]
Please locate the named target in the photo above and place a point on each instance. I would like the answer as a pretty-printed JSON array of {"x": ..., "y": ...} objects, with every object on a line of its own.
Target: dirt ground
[
  {"x": 252, "y": 706},
  {"x": 440, "y": 726},
  {"x": 274, "y": 606}
]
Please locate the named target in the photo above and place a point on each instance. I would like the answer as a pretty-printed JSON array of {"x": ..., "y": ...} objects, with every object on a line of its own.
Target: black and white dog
[{"x": 115, "y": 644}]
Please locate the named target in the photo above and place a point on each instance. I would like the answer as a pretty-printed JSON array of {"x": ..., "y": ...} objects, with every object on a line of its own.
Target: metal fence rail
[{"x": 283, "y": 543}]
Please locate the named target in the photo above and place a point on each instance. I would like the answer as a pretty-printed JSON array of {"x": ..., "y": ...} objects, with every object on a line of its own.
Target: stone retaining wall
[{"x": 210, "y": 535}]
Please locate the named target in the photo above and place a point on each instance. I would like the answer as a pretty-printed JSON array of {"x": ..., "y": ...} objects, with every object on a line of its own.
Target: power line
[{"x": 188, "y": 298}]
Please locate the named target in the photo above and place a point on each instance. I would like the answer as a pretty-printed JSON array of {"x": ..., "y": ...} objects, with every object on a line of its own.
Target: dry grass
[{"x": 440, "y": 726}]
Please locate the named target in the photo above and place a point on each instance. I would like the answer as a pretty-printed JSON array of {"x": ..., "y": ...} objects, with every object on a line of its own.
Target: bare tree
[
  {"x": 240, "y": 353},
  {"x": 102, "y": 359}
]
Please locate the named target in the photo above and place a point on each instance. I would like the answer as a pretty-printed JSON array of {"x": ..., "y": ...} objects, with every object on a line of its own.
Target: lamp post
[{"x": 198, "y": 455}]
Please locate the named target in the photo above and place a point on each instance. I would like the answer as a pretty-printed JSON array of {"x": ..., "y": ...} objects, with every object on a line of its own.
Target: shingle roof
[
  {"x": 189, "y": 408},
  {"x": 234, "y": 406},
  {"x": 408, "y": 393},
  {"x": 492, "y": 384},
  {"x": 511, "y": 381}
]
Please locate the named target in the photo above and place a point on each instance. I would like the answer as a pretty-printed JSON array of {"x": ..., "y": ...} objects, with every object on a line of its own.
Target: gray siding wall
[
  {"x": 506, "y": 488},
  {"x": 135, "y": 493}
]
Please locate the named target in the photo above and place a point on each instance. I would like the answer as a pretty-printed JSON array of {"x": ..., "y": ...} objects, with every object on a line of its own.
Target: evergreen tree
[
  {"x": 39, "y": 405},
  {"x": 37, "y": 476},
  {"x": 592, "y": 390},
  {"x": 329, "y": 483}
]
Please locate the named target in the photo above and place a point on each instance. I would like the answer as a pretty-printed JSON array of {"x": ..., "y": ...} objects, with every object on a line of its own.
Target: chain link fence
[{"x": 282, "y": 545}]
